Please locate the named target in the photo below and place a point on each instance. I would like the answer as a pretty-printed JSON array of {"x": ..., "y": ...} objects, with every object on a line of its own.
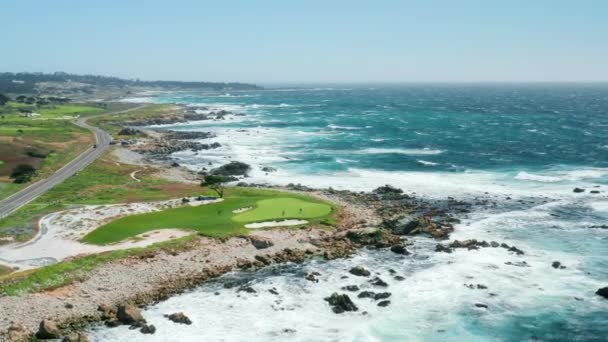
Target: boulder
[
  {"x": 382, "y": 295},
  {"x": 377, "y": 281},
  {"x": 384, "y": 303},
  {"x": 246, "y": 288},
  {"x": 578, "y": 190},
  {"x": 129, "y": 131},
  {"x": 234, "y": 168},
  {"x": 260, "y": 242},
  {"x": 148, "y": 329},
  {"x": 312, "y": 276},
  {"x": 387, "y": 189},
  {"x": 360, "y": 271},
  {"x": 366, "y": 294},
  {"x": 602, "y": 292},
  {"x": 129, "y": 314},
  {"x": 48, "y": 330},
  {"x": 351, "y": 288},
  {"x": 341, "y": 303},
  {"x": 557, "y": 265},
  {"x": 179, "y": 317},
  {"x": 378, "y": 238},
  {"x": 17, "y": 332},
  {"x": 76, "y": 337},
  {"x": 400, "y": 249}
]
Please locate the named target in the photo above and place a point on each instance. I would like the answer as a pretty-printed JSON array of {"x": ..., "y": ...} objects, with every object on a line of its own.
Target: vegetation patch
[
  {"x": 218, "y": 219},
  {"x": 64, "y": 273},
  {"x": 103, "y": 182}
]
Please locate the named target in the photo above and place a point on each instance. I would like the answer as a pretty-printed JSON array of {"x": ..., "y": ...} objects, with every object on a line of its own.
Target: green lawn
[
  {"x": 216, "y": 219},
  {"x": 283, "y": 207}
]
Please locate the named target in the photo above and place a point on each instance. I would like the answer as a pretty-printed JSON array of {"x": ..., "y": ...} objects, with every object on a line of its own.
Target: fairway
[{"x": 217, "y": 219}]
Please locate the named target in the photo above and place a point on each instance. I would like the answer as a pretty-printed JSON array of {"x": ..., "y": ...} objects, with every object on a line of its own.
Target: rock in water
[
  {"x": 602, "y": 292},
  {"x": 129, "y": 314},
  {"x": 578, "y": 190},
  {"x": 341, "y": 303},
  {"x": 400, "y": 249},
  {"x": 47, "y": 330},
  {"x": 360, "y": 271},
  {"x": 179, "y": 317},
  {"x": 384, "y": 303},
  {"x": 76, "y": 337},
  {"x": 148, "y": 329}
]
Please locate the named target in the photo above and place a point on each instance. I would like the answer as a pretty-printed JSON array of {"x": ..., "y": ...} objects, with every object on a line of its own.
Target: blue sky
[{"x": 310, "y": 41}]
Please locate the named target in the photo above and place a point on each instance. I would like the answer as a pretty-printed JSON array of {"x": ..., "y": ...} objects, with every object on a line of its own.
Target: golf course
[{"x": 241, "y": 206}]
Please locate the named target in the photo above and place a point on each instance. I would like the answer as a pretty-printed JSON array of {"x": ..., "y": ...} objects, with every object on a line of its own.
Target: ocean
[{"x": 524, "y": 146}]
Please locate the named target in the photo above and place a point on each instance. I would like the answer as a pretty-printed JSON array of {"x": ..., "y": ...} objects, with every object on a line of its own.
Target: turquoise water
[{"x": 523, "y": 146}]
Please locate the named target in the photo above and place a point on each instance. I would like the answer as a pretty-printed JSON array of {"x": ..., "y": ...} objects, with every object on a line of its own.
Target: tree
[
  {"x": 216, "y": 183},
  {"x": 4, "y": 99},
  {"x": 23, "y": 173}
]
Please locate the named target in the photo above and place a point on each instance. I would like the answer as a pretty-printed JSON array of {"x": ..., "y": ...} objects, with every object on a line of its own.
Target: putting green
[{"x": 283, "y": 207}]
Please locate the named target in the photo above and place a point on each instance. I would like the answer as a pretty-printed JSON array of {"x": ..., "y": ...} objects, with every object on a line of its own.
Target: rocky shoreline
[{"x": 147, "y": 279}]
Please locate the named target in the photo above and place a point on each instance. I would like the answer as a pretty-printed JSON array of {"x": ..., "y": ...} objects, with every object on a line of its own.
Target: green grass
[
  {"x": 102, "y": 182},
  {"x": 216, "y": 220},
  {"x": 5, "y": 270},
  {"x": 283, "y": 208},
  {"x": 64, "y": 273}
]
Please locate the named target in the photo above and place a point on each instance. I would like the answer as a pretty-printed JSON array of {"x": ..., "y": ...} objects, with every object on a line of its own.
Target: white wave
[
  {"x": 348, "y": 128},
  {"x": 406, "y": 151},
  {"x": 377, "y": 139},
  {"x": 537, "y": 178},
  {"x": 139, "y": 100},
  {"x": 428, "y": 163},
  {"x": 345, "y": 161},
  {"x": 564, "y": 175}
]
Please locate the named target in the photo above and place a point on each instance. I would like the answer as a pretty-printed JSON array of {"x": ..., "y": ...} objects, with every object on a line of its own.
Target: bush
[{"x": 23, "y": 173}]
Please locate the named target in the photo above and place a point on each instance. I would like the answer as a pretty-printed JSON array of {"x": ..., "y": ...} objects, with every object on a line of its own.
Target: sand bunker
[{"x": 269, "y": 224}]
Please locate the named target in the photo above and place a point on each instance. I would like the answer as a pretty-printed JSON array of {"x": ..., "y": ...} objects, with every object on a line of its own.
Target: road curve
[{"x": 25, "y": 196}]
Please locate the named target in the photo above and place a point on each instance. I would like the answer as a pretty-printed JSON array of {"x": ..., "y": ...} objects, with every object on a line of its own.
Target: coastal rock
[
  {"x": 482, "y": 306},
  {"x": 366, "y": 294},
  {"x": 129, "y": 131},
  {"x": 557, "y": 265},
  {"x": 341, "y": 303},
  {"x": 48, "y": 330},
  {"x": 76, "y": 337},
  {"x": 148, "y": 329},
  {"x": 377, "y": 281},
  {"x": 400, "y": 249},
  {"x": 378, "y": 238},
  {"x": 179, "y": 317},
  {"x": 602, "y": 292},
  {"x": 351, "y": 288},
  {"x": 17, "y": 332},
  {"x": 360, "y": 271},
  {"x": 247, "y": 289},
  {"x": 382, "y": 295},
  {"x": 384, "y": 303},
  {"x": 129, "y": 314},
  {"x": 260, "y": 242},
  {"x": 312, "y": 276},
  {"x": 187, "y": 135},
  {"x": 234, "y": 168},
  {"x": 578, "y": 190},
  {"x": 268, "y": 169},
  {"x": 107, "y": 311}
]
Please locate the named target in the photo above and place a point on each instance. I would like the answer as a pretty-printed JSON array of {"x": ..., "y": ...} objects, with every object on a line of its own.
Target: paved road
[{"x": 25, "y": 196}]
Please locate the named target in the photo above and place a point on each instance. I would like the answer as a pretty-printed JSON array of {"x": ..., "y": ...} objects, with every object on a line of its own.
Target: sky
[{"x": 310, "y": 41}]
